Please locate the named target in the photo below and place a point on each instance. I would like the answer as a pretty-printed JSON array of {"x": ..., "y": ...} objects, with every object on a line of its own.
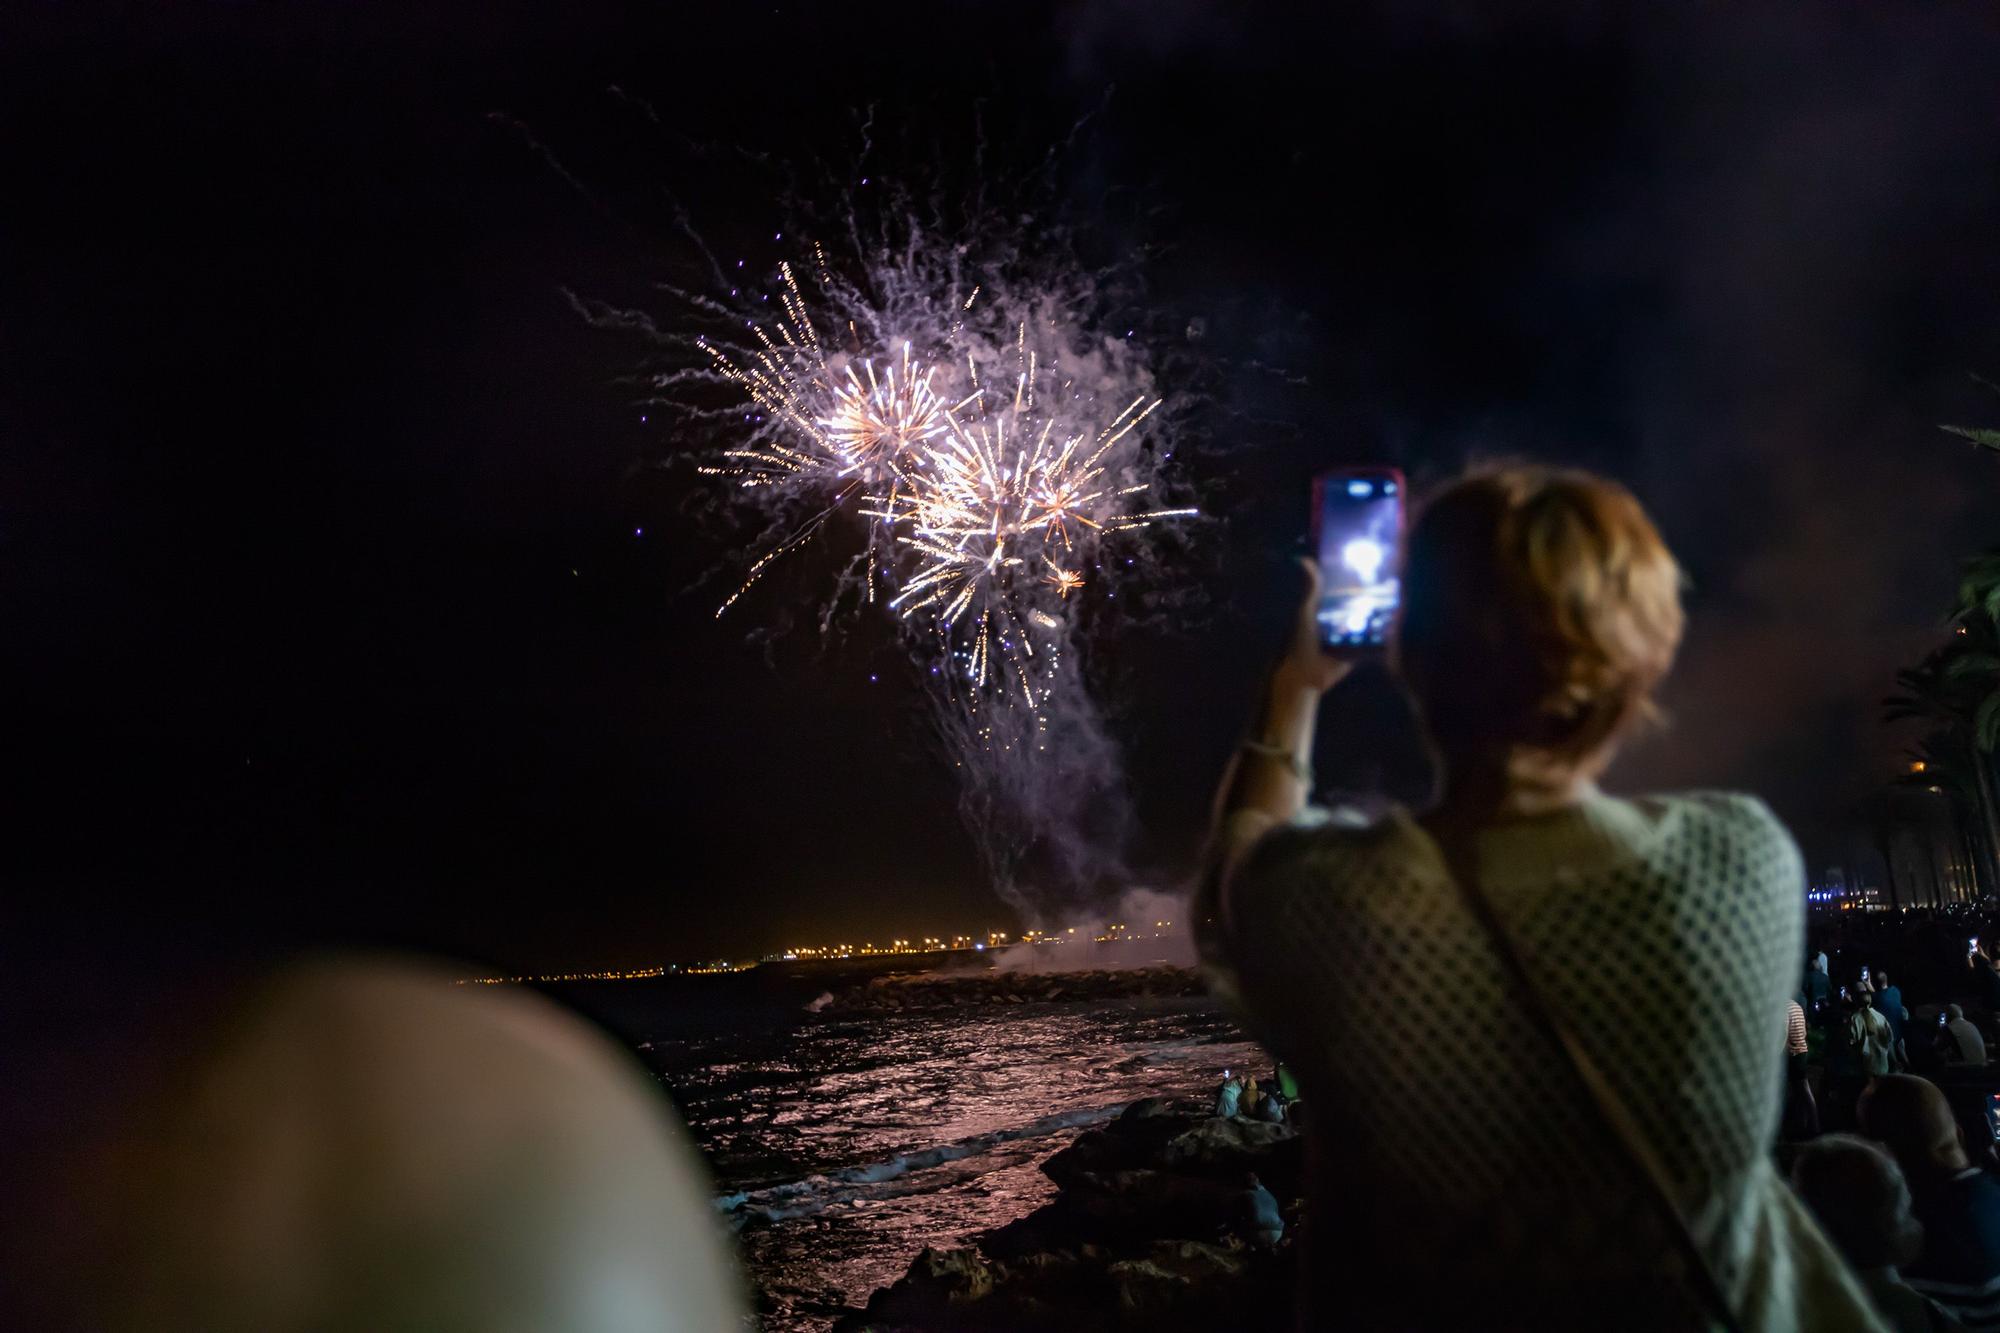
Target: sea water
[{"x": 840, "y": 1147}]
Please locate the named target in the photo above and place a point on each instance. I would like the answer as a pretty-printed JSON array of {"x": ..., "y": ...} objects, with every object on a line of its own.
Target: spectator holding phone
[
  {"x": 1869, "y": 1031},
  {"x": 1819, "y": 986},
  {"x": 1985, "y": 980},
  {"x": 1456, "y": 988},
  {"x": 1961, "y": 1042},
  {"x": 1889, "y": 1003}
]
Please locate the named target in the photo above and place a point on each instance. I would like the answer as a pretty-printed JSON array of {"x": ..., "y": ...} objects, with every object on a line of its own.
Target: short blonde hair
[{"x": 1540, "y": 609}]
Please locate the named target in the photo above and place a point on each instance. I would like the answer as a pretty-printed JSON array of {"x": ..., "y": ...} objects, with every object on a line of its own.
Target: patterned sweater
[{"x": 1460, "y": 1177}]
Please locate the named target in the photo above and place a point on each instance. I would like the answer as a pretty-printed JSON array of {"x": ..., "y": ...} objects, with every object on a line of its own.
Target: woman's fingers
[{"x": 1308, "y": 621}]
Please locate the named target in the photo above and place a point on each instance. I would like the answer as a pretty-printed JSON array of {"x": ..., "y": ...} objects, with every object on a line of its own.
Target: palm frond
[
  {"x": 1971, "y": 667},
  {"x": 1979, "y": 435},
  {"x": 1979, "y": 588},
  {"x": 1986, "y": 723}
]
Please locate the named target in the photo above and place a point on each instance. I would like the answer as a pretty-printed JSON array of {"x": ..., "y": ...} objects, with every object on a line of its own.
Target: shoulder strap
[{"x": 1616, "y": 1116}]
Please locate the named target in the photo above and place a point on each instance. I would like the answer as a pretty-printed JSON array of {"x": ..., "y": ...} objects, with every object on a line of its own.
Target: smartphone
[
  {"x": 1864, "y": 974},
  {"x": 1357, "y": 532},
  {"x": 1941, "y": 1018},
  {"x": 1972, "y": 944}
]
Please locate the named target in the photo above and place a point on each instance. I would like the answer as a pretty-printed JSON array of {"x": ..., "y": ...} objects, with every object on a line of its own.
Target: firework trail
[{"x": 996, "y": 462}]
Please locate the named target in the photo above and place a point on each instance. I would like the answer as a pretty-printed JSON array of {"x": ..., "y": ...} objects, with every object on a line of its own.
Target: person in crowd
[
  {"x": 351, "y": 1145},
  {"x": 1958, "y": 1204},
  {"x": 1229, "y": 1095},
  {"x": 1253, "y": 1099},
  {"x": 1858, "y": 1194},
  {"x": 1844, "y": 1075},
  {"x": 1801, "y": 1111},
  {"x": 1961, "y": 1042},
  {"x": 1869, "y": 1032},
  {"x": 1284, "y": 1082},
  {"x": 1540, "y": 609},
  {"x": 1819, "y": 986},
  {"x": 1985, "y": 979},
  {"x": 1889, "y": 1003}
]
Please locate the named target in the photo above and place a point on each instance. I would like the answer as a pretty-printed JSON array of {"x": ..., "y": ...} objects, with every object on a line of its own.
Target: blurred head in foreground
[
  {"x": 1914, "y": 1121},
  {"x": 1540, "y": 610},
  {"x": 370, "y": 1147},
  {"x": 1860, "y": 1199}
]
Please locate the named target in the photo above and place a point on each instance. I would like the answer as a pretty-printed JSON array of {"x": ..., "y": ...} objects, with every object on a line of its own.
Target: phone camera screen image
[{"x": 1358, "y": 528}]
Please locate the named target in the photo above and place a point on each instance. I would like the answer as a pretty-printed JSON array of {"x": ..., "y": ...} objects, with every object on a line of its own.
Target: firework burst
[{"x": 981, "y": 506}]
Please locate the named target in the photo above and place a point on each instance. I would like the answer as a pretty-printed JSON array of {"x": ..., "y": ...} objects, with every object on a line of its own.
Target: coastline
[{"x": 1166, "y": 1218}]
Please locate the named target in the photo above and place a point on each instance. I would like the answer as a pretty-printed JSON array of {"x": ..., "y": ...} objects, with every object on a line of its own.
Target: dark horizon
[{"x": 345, "y": 601}]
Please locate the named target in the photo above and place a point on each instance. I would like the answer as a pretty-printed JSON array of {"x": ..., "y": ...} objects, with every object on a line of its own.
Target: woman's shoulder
[
  {"x": 1718, "y": 838},
  {"x": 1713, "y": 813},
  {"x": 1325, "y": 849}
]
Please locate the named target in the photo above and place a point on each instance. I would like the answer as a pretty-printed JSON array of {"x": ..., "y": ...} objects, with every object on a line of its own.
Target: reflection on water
[{"x": 844, "y": 1147}]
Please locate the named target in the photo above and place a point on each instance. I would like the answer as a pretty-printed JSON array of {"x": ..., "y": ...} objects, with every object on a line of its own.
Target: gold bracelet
[{"x": 1296, "y": 766}]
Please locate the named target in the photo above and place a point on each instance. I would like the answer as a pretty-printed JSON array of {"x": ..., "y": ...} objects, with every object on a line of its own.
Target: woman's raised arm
[{"x": 1269, "y": 778}]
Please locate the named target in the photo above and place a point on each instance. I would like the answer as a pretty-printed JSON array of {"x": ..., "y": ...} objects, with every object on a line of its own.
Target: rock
[
  {"x": 936, "y": 1293},
  {"x": 1146, "y": 1204},
  {"x": 961, "y": 1274},
  {"x": 1165, "y": 1219},
  {"x": 1160, "y": 1289},
  {"x": 1229, "y": 1144}
]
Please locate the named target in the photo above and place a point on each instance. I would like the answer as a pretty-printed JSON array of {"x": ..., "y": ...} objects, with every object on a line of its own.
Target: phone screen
[{"x": 1357, "y": 528}]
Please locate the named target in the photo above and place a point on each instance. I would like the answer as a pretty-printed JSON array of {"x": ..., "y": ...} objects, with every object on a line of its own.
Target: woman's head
[{"x": 1540, "y": 609}]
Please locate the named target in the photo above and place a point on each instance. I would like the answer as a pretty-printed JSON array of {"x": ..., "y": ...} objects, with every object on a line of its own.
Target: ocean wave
[{"x": 815, "y": 1193}]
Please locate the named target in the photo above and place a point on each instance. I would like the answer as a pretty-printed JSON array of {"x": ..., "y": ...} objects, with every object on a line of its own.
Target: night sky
[{"x": 301, "y": 440}]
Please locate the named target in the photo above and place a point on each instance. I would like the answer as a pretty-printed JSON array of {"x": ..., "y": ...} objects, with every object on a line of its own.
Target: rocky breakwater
[
  {"x": 1167, "y": 1218},
  {"x": 898, "y": 992}
]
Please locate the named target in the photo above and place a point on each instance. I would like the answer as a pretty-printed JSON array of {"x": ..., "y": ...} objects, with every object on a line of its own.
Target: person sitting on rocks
[
  {"x": 1229, "y": 1097},
  {"x": 1957, "y": 1203},
  {"x": 1253, "y": 1099},
  {"x": 1858, "y": 1194}
]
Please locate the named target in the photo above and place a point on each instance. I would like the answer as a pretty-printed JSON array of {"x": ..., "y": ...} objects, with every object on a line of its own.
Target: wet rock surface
[{"x": 1167, "y": 1218}]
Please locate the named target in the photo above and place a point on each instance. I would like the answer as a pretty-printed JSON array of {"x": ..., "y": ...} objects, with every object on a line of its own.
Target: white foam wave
[{"x": 816, "y": 1193}]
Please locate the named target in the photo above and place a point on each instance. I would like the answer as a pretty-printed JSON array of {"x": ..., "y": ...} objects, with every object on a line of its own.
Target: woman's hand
[{"x": 1307, "y": 664}]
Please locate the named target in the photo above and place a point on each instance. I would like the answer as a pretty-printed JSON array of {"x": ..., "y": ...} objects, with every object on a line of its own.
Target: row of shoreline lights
[
  {"x": 927, "y": 944},
  {"x": 942, "y": 944}
]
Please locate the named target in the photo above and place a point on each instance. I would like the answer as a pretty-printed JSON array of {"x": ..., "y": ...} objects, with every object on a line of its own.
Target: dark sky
[{"x": 300, "y": 441}]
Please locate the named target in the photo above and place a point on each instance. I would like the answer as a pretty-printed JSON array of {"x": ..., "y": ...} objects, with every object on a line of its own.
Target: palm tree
[
  {"x": 1956, "y": 690},
  {"x": 1936, "y": 772}
]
